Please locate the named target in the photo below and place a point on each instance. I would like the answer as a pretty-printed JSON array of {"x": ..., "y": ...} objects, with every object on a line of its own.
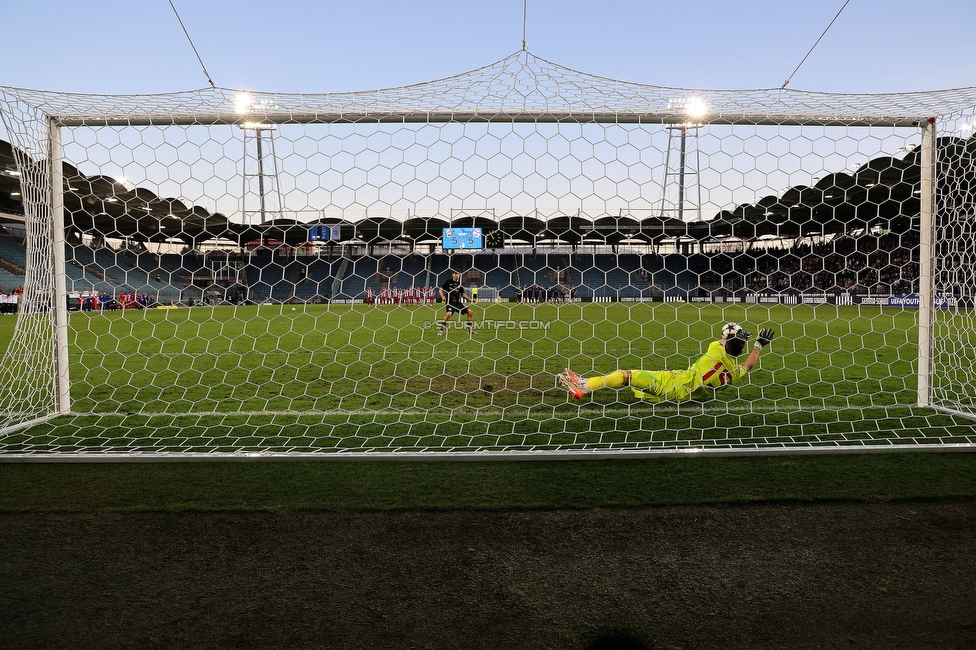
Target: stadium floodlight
[
  {"x": 256, "y": 342},
  {"x": 696, "y": 110},
  {"x": 242, "y": 102}
]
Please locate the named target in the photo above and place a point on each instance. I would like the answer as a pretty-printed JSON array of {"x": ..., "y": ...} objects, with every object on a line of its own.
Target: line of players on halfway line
[
  {"x": 404, "y": 295},
  {"x": 428, "y": 295},
  {"x": 536, "y": 293}
]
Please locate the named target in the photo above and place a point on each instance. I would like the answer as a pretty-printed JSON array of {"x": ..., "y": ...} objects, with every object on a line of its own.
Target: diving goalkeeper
[{"x": 714, "y": 370}]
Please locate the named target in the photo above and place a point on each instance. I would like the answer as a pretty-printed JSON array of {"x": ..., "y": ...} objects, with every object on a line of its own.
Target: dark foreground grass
[{"x": 379, "y": 486}]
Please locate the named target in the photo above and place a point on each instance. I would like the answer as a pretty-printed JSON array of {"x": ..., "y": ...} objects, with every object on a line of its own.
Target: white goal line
[{"x": 468, "y": 413}]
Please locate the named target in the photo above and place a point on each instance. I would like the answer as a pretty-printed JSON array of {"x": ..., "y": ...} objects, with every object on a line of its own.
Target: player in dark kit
[{"x": 452, "y": 294}]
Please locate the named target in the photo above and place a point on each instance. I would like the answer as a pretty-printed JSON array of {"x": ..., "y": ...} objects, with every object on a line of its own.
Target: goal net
[{"x": 221, "y": 273}]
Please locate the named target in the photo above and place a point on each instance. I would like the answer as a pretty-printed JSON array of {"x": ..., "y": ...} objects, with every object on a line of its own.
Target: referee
[{"x": 452, "y": 294}]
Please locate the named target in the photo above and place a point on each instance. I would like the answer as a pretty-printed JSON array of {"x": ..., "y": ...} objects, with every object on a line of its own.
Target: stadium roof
[{"x": 883, "y": 192}]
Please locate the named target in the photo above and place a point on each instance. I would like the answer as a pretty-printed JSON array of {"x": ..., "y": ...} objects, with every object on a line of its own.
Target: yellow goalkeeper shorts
[{"x": 661, "y": 386}]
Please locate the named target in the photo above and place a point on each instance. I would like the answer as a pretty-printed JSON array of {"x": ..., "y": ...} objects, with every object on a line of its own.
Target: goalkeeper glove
[{"x": 765, "y": 336}]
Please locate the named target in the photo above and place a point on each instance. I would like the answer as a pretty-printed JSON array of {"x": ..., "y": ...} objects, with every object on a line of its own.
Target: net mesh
[{"x": 631, "y": 222}]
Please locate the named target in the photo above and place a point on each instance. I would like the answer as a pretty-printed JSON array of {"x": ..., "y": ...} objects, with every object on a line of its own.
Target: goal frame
[{"x": 929, "y": 128}]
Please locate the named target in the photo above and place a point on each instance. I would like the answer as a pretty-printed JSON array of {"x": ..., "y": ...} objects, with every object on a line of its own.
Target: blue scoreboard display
[
  {"x": 323, "y": 233},
  {"x": 462, "y": 238}
]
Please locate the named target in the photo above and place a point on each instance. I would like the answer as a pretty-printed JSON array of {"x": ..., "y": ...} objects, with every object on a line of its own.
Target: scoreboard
[
  {"x": 323, "y": 233},
  {"x": 462, "y": 238}
]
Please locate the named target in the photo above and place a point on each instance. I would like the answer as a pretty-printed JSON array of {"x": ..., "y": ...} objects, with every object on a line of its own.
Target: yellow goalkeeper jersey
[{"x": 714, "y": 370}]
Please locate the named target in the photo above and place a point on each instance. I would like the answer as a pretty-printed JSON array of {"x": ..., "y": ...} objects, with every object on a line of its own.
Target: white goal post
[{"x": 225, "y": 274}]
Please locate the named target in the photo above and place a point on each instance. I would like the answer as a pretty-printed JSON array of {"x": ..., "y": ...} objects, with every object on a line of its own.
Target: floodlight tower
[
  {"x": 256, "y": 155},
  {"x": 261, "y": 197},
  {"x": 679, "y": 178}
]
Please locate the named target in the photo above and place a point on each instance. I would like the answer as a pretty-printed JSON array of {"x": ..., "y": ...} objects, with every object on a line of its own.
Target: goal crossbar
[{"x": 465, "y": 117}]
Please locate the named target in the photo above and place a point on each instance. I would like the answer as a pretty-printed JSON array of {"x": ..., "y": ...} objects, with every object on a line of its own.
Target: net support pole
[
  {"x": 59, "y": 302},
  {"x": 926, "y": 250}
]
